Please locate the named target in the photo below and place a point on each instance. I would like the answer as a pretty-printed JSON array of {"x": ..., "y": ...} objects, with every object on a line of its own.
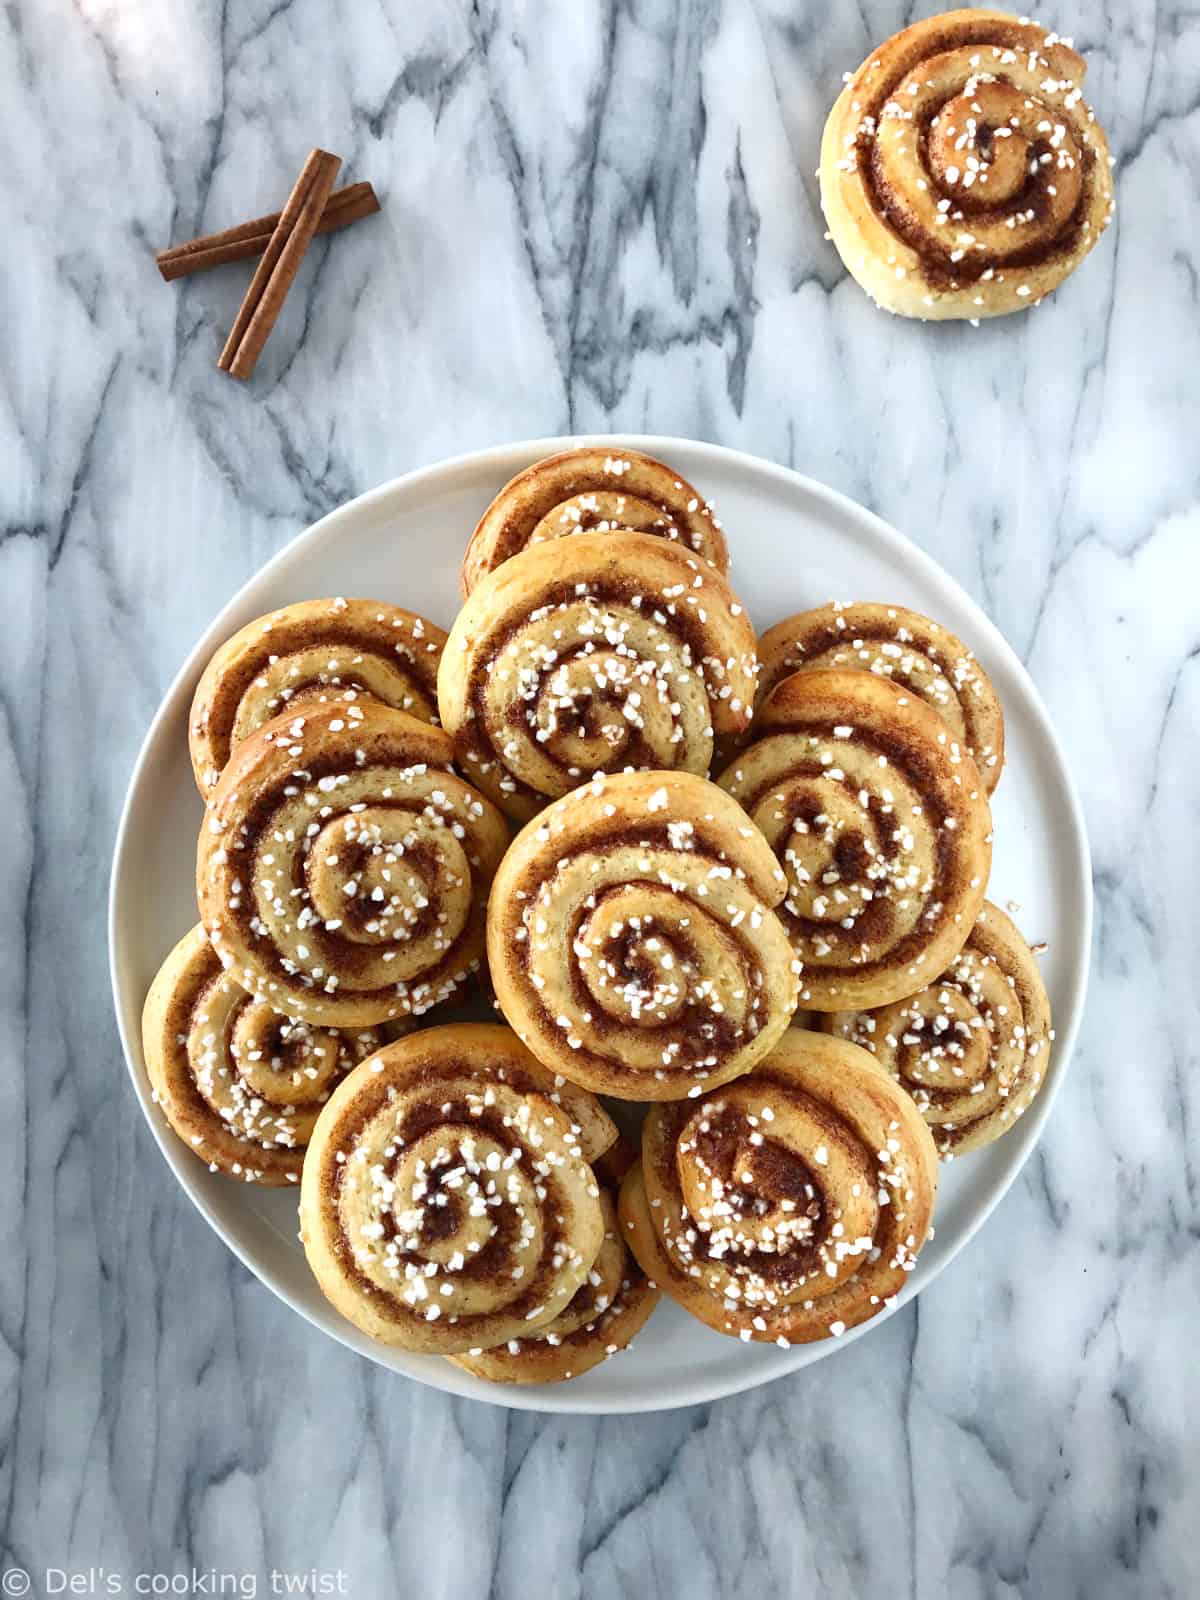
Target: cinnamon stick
[
  {"x": 279, "y": 264},
  {"x": 250, "y": 239}
]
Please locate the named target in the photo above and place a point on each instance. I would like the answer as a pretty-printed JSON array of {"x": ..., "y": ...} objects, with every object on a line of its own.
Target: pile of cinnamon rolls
[{"x": 732, "y": 883}]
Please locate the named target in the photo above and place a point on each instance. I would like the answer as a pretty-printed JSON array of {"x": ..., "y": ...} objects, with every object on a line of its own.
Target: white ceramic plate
[{"x": 794, "y": 544}]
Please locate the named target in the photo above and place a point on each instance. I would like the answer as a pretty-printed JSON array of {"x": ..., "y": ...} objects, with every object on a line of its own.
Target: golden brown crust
[
  {"x": 601, "y": 652},
  {"x": 789, "y": 1206},
  {"x": 911, "y": 651},
  {"x": 239, "y": 1084},
  {"x": 962, "y": 173},
  {"x": 881, "y": 823},
  {"x": 603, "y": 1318},
  {"x": 632, "y": 942},
  {"x": 447, "y": 1201},
  {"x": 592, "y": 490},
  {"x": 343, "y": 869},
  {"x": 312, "y": 653},
  {"x": 973, "y": 1049}
]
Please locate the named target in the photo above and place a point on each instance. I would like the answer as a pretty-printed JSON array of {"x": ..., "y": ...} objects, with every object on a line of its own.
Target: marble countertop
[{"x": 596, "y": 216}]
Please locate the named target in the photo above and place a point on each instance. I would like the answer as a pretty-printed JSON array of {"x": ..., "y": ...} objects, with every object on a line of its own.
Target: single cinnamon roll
[
  {"x": 592, "y": 490},
  {"x": 447, "y": 1202},
  {"x": 971, "y": 1048},
  {"x": 343, "y": 868},
  {"x": 603, "y": 1318},
  {"x": 880, "y": 821},
  {"x": 631, "y": 938},
  {"x": 313, "y": 653},
  {"x": 962, "y": 173},
  {"x": 789, "y": 1206},
  {"x": 598, "y": 653},
  {"x": 240, "y": 1084},
  {"x": 910, "y": 650}
]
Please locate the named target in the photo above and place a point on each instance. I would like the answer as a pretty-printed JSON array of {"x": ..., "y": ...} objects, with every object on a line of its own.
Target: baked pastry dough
[
  {"x": 598, "y": 653},
  {"x": 343, "y": 868},
  {"x": 910, "y": 650},
  {"x": 962, "y": 173},
  {"x": 788, "y": 1206},
  {"x": 880, "y": 821},
  {"x": 588, "y": 490},
  {"x": 972, "y": 1048},
  {"x": 448, "y": 1202},
  {"x": 631, "y": 938},
  {"x": 602, "y": 1319},
  {"x": 240, "y": 1084},
  {"x": 313, "y": 653}
]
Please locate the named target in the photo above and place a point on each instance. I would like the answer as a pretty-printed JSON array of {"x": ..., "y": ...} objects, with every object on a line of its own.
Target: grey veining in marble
[{"x": 598, "y": 214}]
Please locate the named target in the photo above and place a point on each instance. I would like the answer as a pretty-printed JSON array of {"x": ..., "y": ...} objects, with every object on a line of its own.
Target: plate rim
[{"x": 510, "y": 458}]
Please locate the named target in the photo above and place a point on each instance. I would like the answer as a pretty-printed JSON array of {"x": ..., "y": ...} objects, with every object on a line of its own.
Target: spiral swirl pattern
[
  {"x": 973, "y": 1048},
  {"x": 631, "y": 938},
  {"x": 343, "y": 868},
  {"x": 240, "y": 1084},
  {"x": 911, "y": 651},
  {"x": 600, "y": 653},
  {"x": 592, "y": 490},
  {"x": 789, "y": 1206},
  {"x": 447, "y": 1202},
  {"x": 315, "y": 653},
  {"x": 962, "y": 174},
  {"x": 604, "y": 1317},
  {"x": 880, "y": 822}
]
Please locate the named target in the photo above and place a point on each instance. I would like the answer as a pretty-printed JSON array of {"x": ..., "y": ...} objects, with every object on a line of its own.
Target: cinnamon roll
[
  {"x": 631, "y": 938},
  {"x": 972, "y": 1048},
  {"x": 791, "y": 1205},
  {"x": 598, "y": 653},
  {"x": 343, "y": 868},
  {"x": 603, "y": 1317},
  {"x": 962, "y": 173},
  {"x": 447, "y": 1202},
  {"x": 312, "y": 653},
  {"x": 880, "y": 820},
  {"x": 592, "y": 490},
  {"x": 240, "y": 1084},
  {"x": 912, "y": 651}
]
